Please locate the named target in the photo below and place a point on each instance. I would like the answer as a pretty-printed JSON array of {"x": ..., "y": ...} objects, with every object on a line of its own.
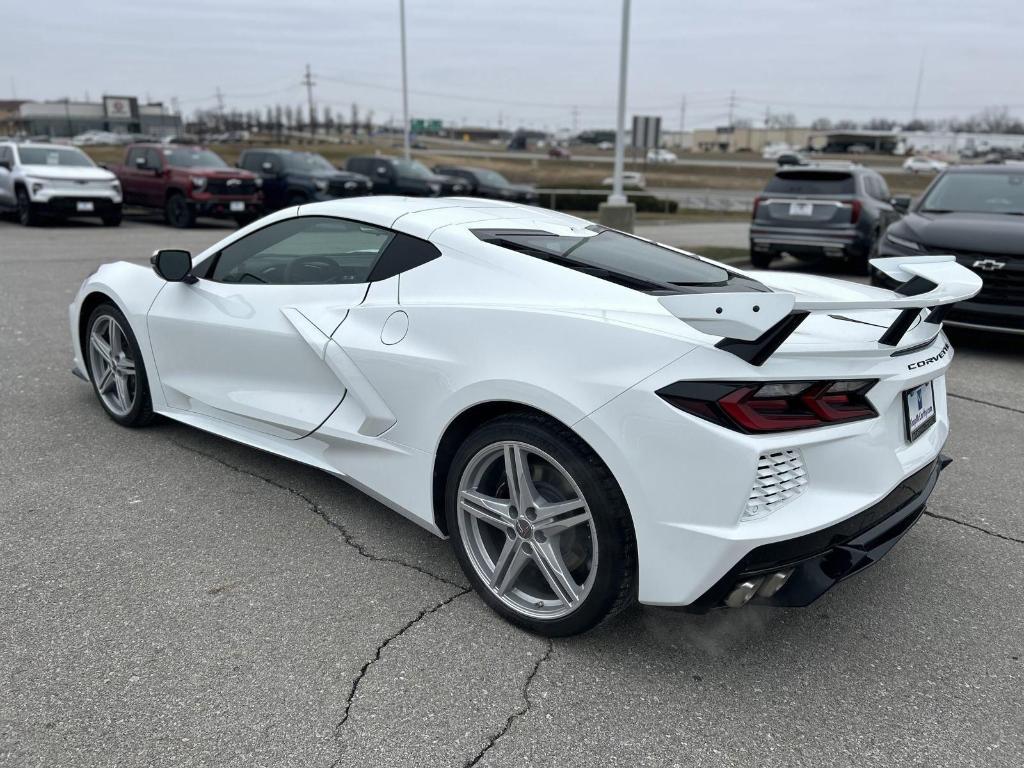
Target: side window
[
  {"x": 251, "y": 161},
  {"x": 402, "y": 254},
  {"x": 309, "y": 250},
  {"x": 357, "y": 164},
  {"x": 133, "y": 156},
  {"x": 883, "y": 189},
  {"x": 153, "y": 160}
]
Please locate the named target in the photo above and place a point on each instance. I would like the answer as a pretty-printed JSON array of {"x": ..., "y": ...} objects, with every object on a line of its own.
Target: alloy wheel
[
  {"x": 527, "y": 530},
  {"x": 112, "y": 365}
]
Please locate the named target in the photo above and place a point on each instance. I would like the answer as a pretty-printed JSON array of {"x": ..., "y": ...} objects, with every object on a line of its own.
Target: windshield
[
  {"x": 977, "y": 193},
  {"x": 491, "y": 178},
  {"x": 307, "y": 162},
  {"x": 183, "y": 157},
  {"x": 811, "y": 183},
  {"x": 54, "y": 156},
  {"x": 413, "y": 169},
  {"x": 620, "y": 258}
]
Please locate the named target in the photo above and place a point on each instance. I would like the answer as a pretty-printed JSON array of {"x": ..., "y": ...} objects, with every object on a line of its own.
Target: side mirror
[
  {"x": 267, "y": 167},
  {"x": 140, "y": 162},
  {"x": 173, "y": 265},
  {"x": 901, "y": 203},
  {"x": 383, "y": 171},
  {"x": 6, "y": 164}
]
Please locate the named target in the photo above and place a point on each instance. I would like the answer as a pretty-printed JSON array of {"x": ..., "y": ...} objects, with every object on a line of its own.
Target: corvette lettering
[{"x": 929, "y": 360}]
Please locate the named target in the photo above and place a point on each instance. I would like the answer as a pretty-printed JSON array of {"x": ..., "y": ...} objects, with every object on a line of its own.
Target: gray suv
[{"x": 830, "y": 211}]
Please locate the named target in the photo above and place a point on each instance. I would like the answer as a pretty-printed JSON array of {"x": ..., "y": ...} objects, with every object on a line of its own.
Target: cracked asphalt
[{"x": 168, "y": 598}]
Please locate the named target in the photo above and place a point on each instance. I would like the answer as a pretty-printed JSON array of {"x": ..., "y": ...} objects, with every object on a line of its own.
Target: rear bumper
[
  {"x": 822, "y": 559},
  {"x": 822, "y": 241}
]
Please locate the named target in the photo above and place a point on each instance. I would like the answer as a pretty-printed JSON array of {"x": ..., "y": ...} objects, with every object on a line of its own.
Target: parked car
[
  {"x": 483, "y": 182},
  {"x": 605, "y": 146},
  {"x": 773, "y": 150},
  {"x": 975, "y": 212},
  {"x": 790, "y": 158},
  {"x": 838, "y": 212},
  {"x": 294, "y": 178},
  {"x": 630, "y": 179},
  {"x": 47, "y": 179},
  {"x": 922, "y": 164},
  {"x": 186, "y": 181},
  {"x": 560, "y": 153},
  {"x": 661, "y": 156},
  {"x": 397, "y": 176}
]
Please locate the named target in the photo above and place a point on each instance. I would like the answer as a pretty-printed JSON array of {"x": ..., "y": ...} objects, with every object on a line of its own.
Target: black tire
[
  {"x": 141, "y": 412},
  {"x": 27, "y": 216},
  {"x": 615, "y": 581},
  {"x": 760, "y": 259},
  {"x": 112, "y": 219},
  {"x": 859, "y": 263},
  {"x": 178, "y": 212}
]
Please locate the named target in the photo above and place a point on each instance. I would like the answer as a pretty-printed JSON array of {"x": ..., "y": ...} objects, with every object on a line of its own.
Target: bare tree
[
  {"x": 821, "y": 124},
  {"x": 782, "y": 120}
]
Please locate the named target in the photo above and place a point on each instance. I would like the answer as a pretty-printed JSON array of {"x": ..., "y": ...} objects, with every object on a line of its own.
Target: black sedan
[
  {"x": 977, "y": 214},
  {"x": 487, "y": 183}
]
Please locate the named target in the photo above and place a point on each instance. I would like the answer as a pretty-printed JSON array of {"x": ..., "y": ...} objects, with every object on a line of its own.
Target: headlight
[
  {"x": 321, "y": 185},
  {"x": 910, "y": 245},
  {"x": 350, "y": 185},
  {"x": 434, "y": 186},
  {"x": 369, "y": 185},
  {"x": 258, "y": 181},
  {"x": 198, "y": 182},
  {"x": 116, "y": 186}
]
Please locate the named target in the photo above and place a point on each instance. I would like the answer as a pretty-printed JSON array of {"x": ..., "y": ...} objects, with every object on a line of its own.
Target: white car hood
[{"x": 67, "y": 173}]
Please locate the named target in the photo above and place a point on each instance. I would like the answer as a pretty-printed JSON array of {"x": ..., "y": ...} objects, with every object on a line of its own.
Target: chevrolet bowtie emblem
[{"x": 989, "y": 265}]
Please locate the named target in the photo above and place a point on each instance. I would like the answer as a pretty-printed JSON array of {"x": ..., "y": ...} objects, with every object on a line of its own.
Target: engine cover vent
[{"x": 781, "y": 477}]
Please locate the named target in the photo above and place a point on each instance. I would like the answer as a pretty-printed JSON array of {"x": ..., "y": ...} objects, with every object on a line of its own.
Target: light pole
[
  {"x": 405, "y": 84},
  {"x": 617, "y": 212}
]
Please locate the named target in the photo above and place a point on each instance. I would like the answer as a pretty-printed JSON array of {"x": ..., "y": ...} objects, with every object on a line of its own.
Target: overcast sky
[{"x": 531, "y": 61}]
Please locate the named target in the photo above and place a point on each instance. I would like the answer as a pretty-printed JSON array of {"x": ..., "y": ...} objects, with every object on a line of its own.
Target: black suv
[
  {"x": 396, "y": 176},
  {"x": 295, "y": 178},
  {"x": 976, "y": 213},
  {"x": 837, "y": 211},
  {"x": 483, "y": 182}
]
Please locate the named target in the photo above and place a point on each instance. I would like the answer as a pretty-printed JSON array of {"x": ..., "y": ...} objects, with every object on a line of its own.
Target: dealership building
[{"x": 117, "y": 114}]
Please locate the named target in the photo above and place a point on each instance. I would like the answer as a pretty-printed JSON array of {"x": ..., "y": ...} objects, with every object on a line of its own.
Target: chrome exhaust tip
[
  {"x": 774, "y": 582},
  {"x": 743, "y": 592}
]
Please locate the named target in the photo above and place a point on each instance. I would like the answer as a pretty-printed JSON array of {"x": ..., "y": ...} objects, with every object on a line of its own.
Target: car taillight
[
  {"x": 775, "y": 406},
  {"x": 854, "y": 211}
]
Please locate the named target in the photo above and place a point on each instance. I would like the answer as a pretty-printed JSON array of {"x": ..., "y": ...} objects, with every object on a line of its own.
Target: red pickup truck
[{"x": 188, "y": 181}]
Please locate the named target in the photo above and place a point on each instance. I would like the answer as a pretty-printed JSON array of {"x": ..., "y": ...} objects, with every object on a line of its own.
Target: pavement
[{"x": 169, "y": 598}]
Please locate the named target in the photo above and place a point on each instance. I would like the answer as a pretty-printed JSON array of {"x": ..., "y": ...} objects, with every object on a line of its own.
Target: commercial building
[{"x": 117, "y": 114}]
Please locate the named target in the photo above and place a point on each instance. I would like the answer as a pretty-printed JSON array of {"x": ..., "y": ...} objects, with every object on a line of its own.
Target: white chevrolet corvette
[{"x": 592, "y": 418}]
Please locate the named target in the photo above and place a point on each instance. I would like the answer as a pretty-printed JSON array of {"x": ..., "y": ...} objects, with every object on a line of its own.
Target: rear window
[
  {"x": 812, "y": 183},
  {"x": 622, "y": 259}
]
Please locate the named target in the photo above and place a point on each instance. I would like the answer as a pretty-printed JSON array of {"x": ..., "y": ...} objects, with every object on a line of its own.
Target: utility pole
[
  {"x": 732, "y": 106},
  {"x": 618, "y": 212},
  {"x": 308, "y": 82},
  {"x": 405, "y": 84},
  {"x": 575, "y": 119},
  {"x": 220, "y": 107},
  {"x": 917, "y": 91},
  {"x": 767, "y": 116},
  {"x": 682, "y": 119}
]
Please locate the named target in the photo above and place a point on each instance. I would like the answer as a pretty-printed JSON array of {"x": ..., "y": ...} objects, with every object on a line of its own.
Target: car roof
[
  {"x": 986, "y": 168},
  {"x": 422, "y": 216}
]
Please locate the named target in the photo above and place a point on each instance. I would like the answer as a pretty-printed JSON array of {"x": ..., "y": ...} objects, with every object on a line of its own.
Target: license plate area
[
  {"x": 918, "y": 410},
  {"x": 237, "y": 206},
  {"x": 85, "y": 206},
  {"x": 801, "y": 209}
]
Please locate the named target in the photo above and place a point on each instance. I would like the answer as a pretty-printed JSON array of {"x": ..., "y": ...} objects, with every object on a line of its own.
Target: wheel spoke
[
  {"x": 121, "y": 383},
  {"x": 511, "y": 561},
  {"x": 105, "y": 381},
  {"x": 115, "y": 339},
  {"x": 517, "y": 472},
  {"x": 487, "y": 508},
  {"x": 101, "y": 346},
  {"x": 549, "y": 560},
  {"x": 127, "y": 366},
  {"x": 560, "y": 516}
]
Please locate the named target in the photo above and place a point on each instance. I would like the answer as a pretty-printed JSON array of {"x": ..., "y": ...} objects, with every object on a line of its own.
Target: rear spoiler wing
[{"x": 754, "y": 325}]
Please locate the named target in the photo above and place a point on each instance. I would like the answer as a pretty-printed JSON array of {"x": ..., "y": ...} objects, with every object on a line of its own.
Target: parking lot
[{"x": 171, "y": 598}]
